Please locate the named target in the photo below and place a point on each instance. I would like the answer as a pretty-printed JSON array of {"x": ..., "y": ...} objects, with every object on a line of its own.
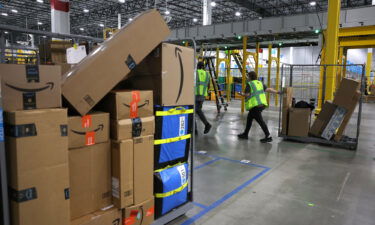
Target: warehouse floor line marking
[
  {"x": 206, "y": 163},
  {"x": 224, "y": 198},
  {"x": 207, "y": 209}
]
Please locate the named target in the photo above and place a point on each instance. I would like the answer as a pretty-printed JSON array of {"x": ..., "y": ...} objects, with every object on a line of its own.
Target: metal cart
[{"x": 305, "y": 78}]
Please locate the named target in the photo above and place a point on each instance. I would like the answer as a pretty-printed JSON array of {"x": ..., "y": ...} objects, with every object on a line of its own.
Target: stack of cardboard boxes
[{"x": 65, "y": 170}]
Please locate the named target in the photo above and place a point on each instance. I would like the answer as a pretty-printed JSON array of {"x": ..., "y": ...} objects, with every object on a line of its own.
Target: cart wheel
[{"x": 225, "y": 108}]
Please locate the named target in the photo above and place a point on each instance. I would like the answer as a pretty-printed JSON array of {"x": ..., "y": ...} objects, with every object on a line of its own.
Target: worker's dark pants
[
  {"x": 256, "y": 113},
  {"x": 198, "y": 109}
]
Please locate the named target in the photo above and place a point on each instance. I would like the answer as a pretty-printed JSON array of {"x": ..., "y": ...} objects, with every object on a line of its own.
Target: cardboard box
[
  {"x": 54, "y": 51},
  {"x": 143, "y": 168},
  {"x": 37, "y": 151},
  {"x": 334, "y": 123},
  {"x": 65, "y": 68},
  {"x": 348, "y": 115},
  {"x": 287, "y": 97},
  {"x": 111, "y": 216},
  {"x": 140, "y": 214},
  {"x": 320, "y": 123},
  {"x": 299, "y": 122},
  {"x": 88, "y": 130},
  {"x": 129, "y": 128},
  {"x": 347, "y": 89},
  {"x": 90, "y": 179},
  {"x": 287, "y": 104},
  {"x": 284, "y": 120},
  {"x": 122, "y": 173},
  {"x": 127, "y": 104},
  {"x": 169, "y": 72},
  {"x": 96, "y": 75},
  {"x": 30, "y": 87}
]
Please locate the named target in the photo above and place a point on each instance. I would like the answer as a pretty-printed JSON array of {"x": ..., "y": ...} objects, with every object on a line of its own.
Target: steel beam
[
  {"x": 256, "y": 58},
  {"x": 277, "y": 76},
  {"x": 244, "y": 60},
  {"x": 269, "y": 70},
  {"x": 369, "y": 65},
  {"x": 228, "y": 80}
]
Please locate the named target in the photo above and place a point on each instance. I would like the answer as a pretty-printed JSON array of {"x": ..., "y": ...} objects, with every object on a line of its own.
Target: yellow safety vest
[
  {"x": 257, "y": 96},
  {"x": 202, "y": 83}
]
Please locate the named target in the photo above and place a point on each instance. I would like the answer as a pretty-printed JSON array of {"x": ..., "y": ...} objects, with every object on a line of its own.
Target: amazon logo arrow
[
  {"x": 147, "y": 102},
  {"x": 49, "y": 85},
  {"x": 177, "y": 52},
  {"x": 100, "y": 128}
]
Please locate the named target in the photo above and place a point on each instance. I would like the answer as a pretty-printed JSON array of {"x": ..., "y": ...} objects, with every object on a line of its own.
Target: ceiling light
[
  {"x": 195, "y": 20},
  {"x": 40, "y": 23},
  {"x": 6, "y": 32},
  {"x": 81, "y": 29},
  {"x": 280, "y": 44},
  {"x": 4, "y": 14},
  {"x": 130, "y": 19},
  {"x": 317, "y": 31},
  {"x": 313, "y": 3},
  {"x": 44, "y": 36},
  {"x": 238, "y": 14},
  {"x": 260, "y": 17},
  {"x": 213, "y": 4},
  {"x": 167, "y": 12},
  {"x": 121, "y": 1},
  {"x": 40, "y": 1},
  {"x": 14, "y": 11},
  {"x": 101, "y": 25},
  {"x": 86, "y": 10}
]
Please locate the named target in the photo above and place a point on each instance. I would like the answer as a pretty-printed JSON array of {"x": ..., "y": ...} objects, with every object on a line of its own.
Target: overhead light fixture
[
  {"x": 40, "y": 23},
  {"x": 40, "y": 1},
  {"x": 4, "y": 14},
  {"x": 6, "y": 32},
  {"x": 130, "y": 19},
  {"x": 317, "y": 31},
  {"x": 101, "y": 25},
  {"x": 280, "y": 44},
  {"x": 44, "y": 36},
  {"x": 313, "y": 3},
  {"x": 86, "y": 10},
  {"x": 195, "y": 20},
  {"x": 14, "y": 11},
  {"x": 121, "y": 1},
  {"x": 81, "y": 29},
  {"x": 239, "y": 37},
  {"x": 213, "y": 4},
  {"x": 260, "y": 17},
  {"x": 167, "y": 12},
  {"x": 238, "y": 13}
]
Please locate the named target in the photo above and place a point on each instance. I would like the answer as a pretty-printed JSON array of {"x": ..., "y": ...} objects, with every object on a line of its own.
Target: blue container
[
  {"x": 171, "y": 188},
  {"x": 173, "y": 128}
]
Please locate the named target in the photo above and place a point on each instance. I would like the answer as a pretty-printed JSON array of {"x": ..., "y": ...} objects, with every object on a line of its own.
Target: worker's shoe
[
  {"x": 243, "y": 136},
  {"x": 266, "y": 140},
  {"x": 207, "y": 128}
]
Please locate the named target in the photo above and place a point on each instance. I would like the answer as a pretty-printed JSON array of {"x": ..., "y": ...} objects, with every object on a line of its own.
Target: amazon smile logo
[
  {"x": 147, "y": 102},
  {"x": 177, "y": 52},
  {"x": 49, "y": 85},
  {"x": 100, "y": 128}
]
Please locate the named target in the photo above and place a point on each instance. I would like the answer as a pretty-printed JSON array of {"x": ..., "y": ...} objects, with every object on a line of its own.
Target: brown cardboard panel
[
  {"x": 299, "y": 122},
  {"x": 129, "y": 128},
  {"x": 347, "y": 89},
  {"x": 143, "y": 168},
  {"x": 88, "y": 130},
  {"x": 96, "y": 75},
  {"x": 110, "y": 216},
  {"x": 122, "y": 173},
  {"x": 30, "y": 87},
  {"x": 353, "y": 104},
  {"x": 320, "y": 123},
  {"x": 171, "y": 69},
  {"x": 285, "y": 120},
  {"x": 287, "y": 104},
  {"x": 287, "y": 97},
  {"x": 38, "y": 176},
  {"x": 140, "y": 214},
  {"x": 124, "y": 104},
  {"x": 90, "y": 179}
]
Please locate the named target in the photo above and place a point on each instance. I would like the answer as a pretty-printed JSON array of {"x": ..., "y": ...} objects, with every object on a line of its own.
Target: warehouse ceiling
[{"x": 88, "y": 17}]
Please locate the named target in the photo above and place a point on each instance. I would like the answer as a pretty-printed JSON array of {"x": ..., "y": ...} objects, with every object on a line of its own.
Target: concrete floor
[{"x": 282, "y": 183}]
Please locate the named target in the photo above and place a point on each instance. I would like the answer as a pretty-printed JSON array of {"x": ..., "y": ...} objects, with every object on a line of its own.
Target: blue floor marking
[
  {"x": 200, "y": 205},
  {"x": 206, "y": 163},
  {"x": 214, "y": 205}
]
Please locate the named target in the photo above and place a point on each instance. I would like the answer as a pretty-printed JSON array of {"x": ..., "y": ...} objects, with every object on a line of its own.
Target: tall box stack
[
  {"x": 171, "y": 70},
  {"x": 38, "y": 177},
  {"x": 89, "y": 163},
  {"x": 132, "y": 134},
  {"x": 287, "y": 104}
]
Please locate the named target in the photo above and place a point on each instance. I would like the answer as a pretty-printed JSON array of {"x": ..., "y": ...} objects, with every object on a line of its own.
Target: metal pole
[
  {"x": 257, "y": 58},
  {"x": 291, "y": 76},
  {"x": 324, "y": 83},
  {"x": 228, "y": 63},
  {"x": 269, "y": 70},
  {"x": 191, "y": 195},
  {"x": 3, "y": 175},
  {"x": 277, "y": 76},
  {"x": 360, "y": 105},
  {"x": 245, "y": 55}
]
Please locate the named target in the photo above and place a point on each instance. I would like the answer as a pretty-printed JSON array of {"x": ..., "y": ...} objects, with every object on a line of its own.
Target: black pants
[
  {"x": 256, "y": 113},
  {"x": 198, "y": 109}
]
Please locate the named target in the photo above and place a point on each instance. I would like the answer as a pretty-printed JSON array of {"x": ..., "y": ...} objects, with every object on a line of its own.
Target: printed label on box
[
  {"x": 115, "y": 187},
  {"x": 181, "y": 169},
  {"x": 182, "y": 126}
]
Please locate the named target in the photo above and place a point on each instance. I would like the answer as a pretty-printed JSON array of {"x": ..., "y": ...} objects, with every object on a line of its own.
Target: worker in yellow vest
[
  {"x": 201, "y": 91},
  {"x": 255, "y": 103}
]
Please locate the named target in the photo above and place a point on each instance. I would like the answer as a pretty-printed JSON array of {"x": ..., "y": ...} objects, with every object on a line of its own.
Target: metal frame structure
[
  {"x": 4, "y": 213},
  {"x": 345, "y": 143}
]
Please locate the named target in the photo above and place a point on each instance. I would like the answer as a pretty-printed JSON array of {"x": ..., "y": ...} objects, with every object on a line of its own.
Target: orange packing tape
[
  {"x": 132, "y": 218},
  {"x": 150, "y": 211},
  {"x": 86, "y": 121},
  {"x": 136, "y": 98},
  {"x": 90, "y": 138}
]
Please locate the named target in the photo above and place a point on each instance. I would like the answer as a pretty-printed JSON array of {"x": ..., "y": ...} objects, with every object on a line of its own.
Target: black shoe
[
  {"x": 207, "y": 128},
  {"x": 196, "y": 132},
  {"x": 266, "y": 140},
  {"x": 243, "y": 136}
]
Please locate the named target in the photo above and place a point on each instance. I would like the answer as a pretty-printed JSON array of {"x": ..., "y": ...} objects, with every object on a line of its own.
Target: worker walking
[
  {"x": 255, "y": 103},
  {"x": 201, "y": 92}
]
